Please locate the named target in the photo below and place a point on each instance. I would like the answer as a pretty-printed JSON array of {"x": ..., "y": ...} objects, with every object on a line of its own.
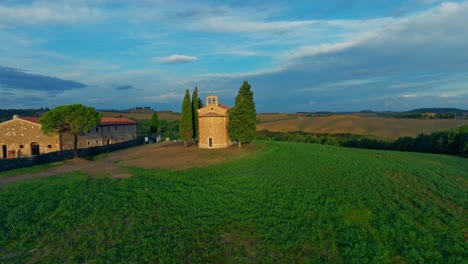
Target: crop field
[
  {"x": 382, "y": 127},
  {"x": 291, "y": 203}
]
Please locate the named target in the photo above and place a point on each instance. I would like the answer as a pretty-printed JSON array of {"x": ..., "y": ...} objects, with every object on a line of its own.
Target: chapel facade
[{"x": 212, "y": 124}]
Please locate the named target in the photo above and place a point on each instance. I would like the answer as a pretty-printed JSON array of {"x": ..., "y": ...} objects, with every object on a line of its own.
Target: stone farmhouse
[
  {"x": 212, "y": 124},
  {"x": 22, "y": 136}
]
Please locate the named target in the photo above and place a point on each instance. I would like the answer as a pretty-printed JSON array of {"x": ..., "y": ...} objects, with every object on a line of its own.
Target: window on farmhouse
[
  {"x": 89, "y": 143},
  {"x": 21, "y": 146},
  {"x": 97, "y": 129},
  {"x": 49, "y": 146}
]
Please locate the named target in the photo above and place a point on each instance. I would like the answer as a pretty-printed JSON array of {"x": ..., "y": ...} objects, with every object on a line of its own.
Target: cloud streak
[
  {"x": 47, "y": 13},
  {"x": 175, "y": 59}
]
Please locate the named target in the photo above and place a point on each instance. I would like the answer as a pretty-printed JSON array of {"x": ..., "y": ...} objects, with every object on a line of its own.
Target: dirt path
[{"x": 166, "y": 155}]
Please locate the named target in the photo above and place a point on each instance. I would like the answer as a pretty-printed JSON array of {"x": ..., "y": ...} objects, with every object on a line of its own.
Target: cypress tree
[
  {"x": 200, "y": 103},
  {"x": 154, "y": 124},
  {"x": 195, "y": 106},
  {"x": 186, "y": 125},
  {"x": 242, "y": 117}
]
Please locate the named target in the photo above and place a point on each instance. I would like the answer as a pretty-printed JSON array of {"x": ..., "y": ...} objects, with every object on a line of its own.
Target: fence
[{"x": 10, "y": 164}]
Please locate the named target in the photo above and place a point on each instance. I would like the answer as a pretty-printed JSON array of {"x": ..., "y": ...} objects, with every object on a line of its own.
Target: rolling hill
[
  {"x": 291, "y": 203},
  {"x": 381, "y": 127}
]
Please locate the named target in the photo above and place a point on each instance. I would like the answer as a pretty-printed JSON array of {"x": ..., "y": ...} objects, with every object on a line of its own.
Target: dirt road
[{"x": 166, "y": 155}]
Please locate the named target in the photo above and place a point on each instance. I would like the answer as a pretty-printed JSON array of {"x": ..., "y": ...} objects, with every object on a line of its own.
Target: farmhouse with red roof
[{"x": 22, "y": 136}]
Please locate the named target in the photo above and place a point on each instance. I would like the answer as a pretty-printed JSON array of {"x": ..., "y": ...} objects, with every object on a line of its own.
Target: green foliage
[
  {"x": 294, "y": 203},
  {"x": 154, "y": 124},
  {"x": 195, "y": 106},
  {"x": 170, "y": 129},
  {"x": 74, "y": 119},
  {"x": 200, "y": 103},
  {"x": 143, "y": 127},
  {"x": 166, "y": 128},
  {"x": 242, "y": 117},
  {"x": 186, "y": 125}
]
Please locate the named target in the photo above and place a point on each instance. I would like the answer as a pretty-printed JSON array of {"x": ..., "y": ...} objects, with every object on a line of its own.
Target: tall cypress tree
[
  {"x": 195, "y": 106},
  {"x": 242, "y": 124},
  {"x": 154, "y": 123},
  {"x": 186, "y": 125}
]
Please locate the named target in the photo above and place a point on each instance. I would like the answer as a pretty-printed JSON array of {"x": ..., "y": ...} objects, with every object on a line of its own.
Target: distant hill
[
  {"x": 438, "y": 110},
  {"x": 141, "y": 114},
  {"x": 7, "y": 114}
]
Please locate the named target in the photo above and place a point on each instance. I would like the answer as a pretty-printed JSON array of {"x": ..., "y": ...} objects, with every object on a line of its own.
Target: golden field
[{"x": 381, "y": 127}]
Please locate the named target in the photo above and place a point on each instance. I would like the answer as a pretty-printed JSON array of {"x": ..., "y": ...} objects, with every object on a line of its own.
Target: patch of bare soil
[{"x": 166, "y": 155}]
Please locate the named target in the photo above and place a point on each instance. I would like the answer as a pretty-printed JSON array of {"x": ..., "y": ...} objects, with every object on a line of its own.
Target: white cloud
[
  {"x": 176, "y": 58},
  {"x": 410, "y": 95},
  {"x": 353, "y": 82},
  {"x": 47, "y": 12},
  {"x": 447, "y": 95}
]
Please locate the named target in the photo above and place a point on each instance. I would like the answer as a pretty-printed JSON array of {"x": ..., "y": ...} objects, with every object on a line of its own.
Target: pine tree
[
  {"x": 74, "y": 119},
  {"x": 195, "y": 106},
  {"x": 186, "y": 125},
  {"x": 242, "y": 117}
]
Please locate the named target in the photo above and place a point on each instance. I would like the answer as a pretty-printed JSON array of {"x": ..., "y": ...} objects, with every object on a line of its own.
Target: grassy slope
[
  {"x": 294, "y": 203},
  {"x": 390, "y": 128}
]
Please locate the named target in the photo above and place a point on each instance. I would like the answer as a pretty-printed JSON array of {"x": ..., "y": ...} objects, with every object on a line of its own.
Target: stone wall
[
  {"x": 19, "y": 137},
  {"x": 10, "y": 164},
  {"x": 101, "y": 136},
  {"x": 213, "y": 127}
]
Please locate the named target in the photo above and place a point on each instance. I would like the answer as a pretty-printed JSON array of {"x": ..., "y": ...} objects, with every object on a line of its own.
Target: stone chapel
[{"x": 212, "y": 124}]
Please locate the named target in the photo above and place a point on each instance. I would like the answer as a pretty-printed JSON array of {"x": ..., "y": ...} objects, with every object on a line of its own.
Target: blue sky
[{"x": 334, "y": 55}]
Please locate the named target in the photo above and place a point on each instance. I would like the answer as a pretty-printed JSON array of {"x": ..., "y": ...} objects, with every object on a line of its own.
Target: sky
[{"x": 298, "y": 56}]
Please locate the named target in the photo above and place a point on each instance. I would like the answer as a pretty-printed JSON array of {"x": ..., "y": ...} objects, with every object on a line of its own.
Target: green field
[{"x": 292, "y": 203}]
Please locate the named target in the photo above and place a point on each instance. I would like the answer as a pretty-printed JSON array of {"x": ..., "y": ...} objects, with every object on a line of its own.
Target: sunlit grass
[{"x": 291, "y": 203}]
